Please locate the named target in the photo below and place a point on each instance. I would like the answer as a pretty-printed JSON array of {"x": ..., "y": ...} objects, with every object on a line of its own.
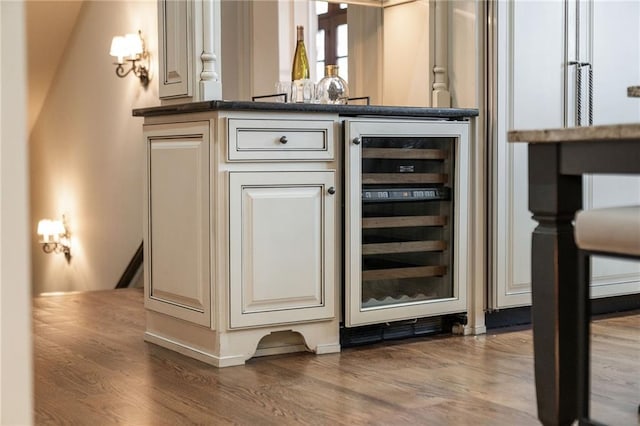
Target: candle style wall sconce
[
  {"x": 131, "y": 48},
  {"x": 55, "y": 236}
]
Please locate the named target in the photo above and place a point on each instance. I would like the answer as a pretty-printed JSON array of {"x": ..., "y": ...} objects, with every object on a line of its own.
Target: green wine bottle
[{"x": 300, "y": 67}]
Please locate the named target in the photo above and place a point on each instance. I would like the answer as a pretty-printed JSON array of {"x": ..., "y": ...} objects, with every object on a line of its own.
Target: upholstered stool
[
  {"x": 612, "y": 231},
  {"x": 607, "y": 232}
]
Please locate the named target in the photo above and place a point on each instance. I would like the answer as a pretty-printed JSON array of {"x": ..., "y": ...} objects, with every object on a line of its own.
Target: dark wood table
[{"x": 557, "y": 160}]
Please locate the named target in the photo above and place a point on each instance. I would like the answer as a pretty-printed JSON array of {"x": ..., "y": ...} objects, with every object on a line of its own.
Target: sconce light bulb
[
  {"x": 57, "y": 229},
  {"x": 119, "y": 48},
  {"x": 134, "y": 45},
  {"x": 44, "y": 229}
]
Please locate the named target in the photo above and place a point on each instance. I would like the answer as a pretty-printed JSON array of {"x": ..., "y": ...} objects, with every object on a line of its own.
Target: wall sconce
[
  {"x": 55, "y": 236},
  {"x": 131, "y": 48}
]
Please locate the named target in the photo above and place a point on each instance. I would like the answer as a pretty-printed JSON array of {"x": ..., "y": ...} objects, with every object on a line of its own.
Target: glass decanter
[{"x": 332, "y": 89}]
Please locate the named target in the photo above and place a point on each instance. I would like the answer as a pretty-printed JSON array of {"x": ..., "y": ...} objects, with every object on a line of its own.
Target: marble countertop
[
  {"x": 343, "y": 110},
  {"x": 577, "y": 134}
]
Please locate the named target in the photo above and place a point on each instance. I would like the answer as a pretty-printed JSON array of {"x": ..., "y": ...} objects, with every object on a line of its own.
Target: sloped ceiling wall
[
  {"x": 86, "y": 150},
  {"x": 49, "y": 26}
]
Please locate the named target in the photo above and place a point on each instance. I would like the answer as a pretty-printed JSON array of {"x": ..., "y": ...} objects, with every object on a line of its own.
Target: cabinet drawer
[{"x": 271, "y": 140}]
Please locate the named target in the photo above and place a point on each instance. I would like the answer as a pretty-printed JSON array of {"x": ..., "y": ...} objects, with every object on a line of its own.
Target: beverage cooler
[{"x": 406, "y": 219}]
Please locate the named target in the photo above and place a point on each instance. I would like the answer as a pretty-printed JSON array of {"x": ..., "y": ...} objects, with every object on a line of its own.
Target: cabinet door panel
[
  {"x": 298, "y": 250},
  {"x": 175, "y": 48},
  {"x": 282, "y": 234},
  {"x": 177, "y": 237},
  {"x": 526, "y": 51},
  {"x": 615, "y": 66}
]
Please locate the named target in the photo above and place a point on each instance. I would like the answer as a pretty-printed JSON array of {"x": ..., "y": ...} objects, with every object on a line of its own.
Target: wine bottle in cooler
[{"x": 300, "y": 67}]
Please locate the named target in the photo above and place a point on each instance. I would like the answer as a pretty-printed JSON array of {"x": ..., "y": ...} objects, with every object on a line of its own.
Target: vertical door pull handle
[
  {"x": 578, "y": 92},
  {"x": 590, "y": 106},
  {"x": 579, "y": 67}
]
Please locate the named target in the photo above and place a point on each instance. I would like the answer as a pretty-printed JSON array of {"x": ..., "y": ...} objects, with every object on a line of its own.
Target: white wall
[
  {"x": 264, "y": 47},
  {"x": 407, "y": 62},
  {"x": 365, "y": 52},
  {"x": 16, "y": 406},
  {"x": 259, "y": 39},
  {"x": 86, "y": 151},
  {"x": 45, "y": 48},
  {"x": 236, "y": 58}
]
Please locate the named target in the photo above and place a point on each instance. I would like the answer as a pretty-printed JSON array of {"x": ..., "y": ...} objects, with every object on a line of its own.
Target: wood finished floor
[{"x": 93, "y": 368}]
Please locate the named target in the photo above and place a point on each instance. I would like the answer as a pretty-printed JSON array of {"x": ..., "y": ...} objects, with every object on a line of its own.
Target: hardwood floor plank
[{"x": 93, "y": 367}]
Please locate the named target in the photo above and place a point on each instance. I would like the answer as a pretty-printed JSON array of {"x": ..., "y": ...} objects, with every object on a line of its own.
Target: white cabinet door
[
  {"x": 175, "y": 48},
  {"x": 281, "y": 247},
  {"x": 531, "y": 94},
  {"x": 189, "y": 50},
  {"x": 176, "y": 245},
  {"x": 615, "y": 42},
  {"x": 536, "y": 88}
]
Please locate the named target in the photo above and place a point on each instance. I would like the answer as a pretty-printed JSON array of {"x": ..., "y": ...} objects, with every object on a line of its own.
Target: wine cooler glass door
[{"x": 401, "y": 221}]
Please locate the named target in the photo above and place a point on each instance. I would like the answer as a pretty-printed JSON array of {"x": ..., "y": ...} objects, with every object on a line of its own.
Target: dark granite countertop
[{"x": 343, "y": 110}]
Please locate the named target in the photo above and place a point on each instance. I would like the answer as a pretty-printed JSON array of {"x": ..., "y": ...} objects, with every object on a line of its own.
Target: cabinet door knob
[
  {"x": 331, "y": 190},
  {"x": 356, "y": 141},
  {"x": 283, "y": 139}
]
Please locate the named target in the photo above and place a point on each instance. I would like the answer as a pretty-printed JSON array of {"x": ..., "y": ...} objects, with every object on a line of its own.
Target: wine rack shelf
[
  {"x": 403, "y": 178},
  {"x": 398, "y": 273},
  {"x": 403, "y": 221},
  {"x": 403, "y": 247},
  {"x": 405, "y": 153}
]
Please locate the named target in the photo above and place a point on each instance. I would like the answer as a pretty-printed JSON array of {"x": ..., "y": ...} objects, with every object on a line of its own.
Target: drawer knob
[
  {"x": 356, "y": 141},
  {"x": 331, "y": 190},
  {"x": 283, "y": 139}
]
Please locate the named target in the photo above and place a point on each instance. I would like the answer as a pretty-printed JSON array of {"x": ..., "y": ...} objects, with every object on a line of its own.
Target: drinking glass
[
  {"x": 303, "y": 91},
  {"x": 284, "y": 87}
]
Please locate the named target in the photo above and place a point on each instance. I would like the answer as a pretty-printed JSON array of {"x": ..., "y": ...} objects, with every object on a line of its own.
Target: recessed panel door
[
  {"x": 176, "y": 246},
  {"x": 281, "y": 247}
]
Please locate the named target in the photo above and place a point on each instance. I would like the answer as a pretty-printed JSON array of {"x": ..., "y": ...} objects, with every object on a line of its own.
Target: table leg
[
  {"x": 553, "y": 200},
  {"x": 584, "y": 335}
]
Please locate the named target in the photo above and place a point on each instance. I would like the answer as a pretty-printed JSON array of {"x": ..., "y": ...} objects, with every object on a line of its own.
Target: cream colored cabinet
[
  {"x": 281, "y": 247},
  {"x": 189, "y": 50},
  {"x": 175, "y": 48},
  {"x": 578, "y": 39},
  {"x": 525, "y": 50},
  {"x": 615, "y": 66},
  {"x": 241, "y": 234},
  {"x": 176, "y": 233}
]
